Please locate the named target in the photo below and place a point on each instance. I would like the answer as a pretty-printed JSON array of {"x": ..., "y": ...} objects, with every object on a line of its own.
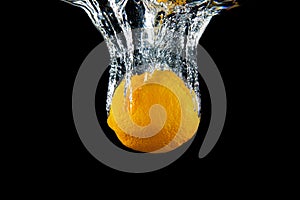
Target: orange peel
[{"x": 161, "y": 115}]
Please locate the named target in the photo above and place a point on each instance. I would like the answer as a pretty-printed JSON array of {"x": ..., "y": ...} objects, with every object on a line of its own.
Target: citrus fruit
[{"x": 161, "y": 115}]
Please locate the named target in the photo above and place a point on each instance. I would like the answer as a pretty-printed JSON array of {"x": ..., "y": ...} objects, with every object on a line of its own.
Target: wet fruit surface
[{"x": 160, "y": 117}]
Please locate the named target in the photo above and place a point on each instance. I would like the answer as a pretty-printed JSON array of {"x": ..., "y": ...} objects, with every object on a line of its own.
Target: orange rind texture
[{"x": 160, "y": 117}]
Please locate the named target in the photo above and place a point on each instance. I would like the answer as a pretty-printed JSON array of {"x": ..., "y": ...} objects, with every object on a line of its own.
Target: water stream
[{"x": 147, "y": 35}]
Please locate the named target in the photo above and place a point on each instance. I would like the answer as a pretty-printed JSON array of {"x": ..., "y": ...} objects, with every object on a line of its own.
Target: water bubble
[{"x": 146, "y": 35}]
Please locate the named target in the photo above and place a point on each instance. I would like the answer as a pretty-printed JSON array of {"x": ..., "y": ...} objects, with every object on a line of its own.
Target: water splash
[{"x": 145, "y": 35}]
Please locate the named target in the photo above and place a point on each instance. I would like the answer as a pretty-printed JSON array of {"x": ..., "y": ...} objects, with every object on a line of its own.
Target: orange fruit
[{"x": 160, "y": 117}]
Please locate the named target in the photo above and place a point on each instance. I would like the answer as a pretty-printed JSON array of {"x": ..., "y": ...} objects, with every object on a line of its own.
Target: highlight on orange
[{"x": 161, "y": 115}]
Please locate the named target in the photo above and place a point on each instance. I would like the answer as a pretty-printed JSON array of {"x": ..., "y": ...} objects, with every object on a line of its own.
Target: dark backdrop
[{"x": 233, "y": 39}]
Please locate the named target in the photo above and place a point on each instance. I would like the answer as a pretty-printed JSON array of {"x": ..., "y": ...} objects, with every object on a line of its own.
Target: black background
[{"x": 235, "y": 41}]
